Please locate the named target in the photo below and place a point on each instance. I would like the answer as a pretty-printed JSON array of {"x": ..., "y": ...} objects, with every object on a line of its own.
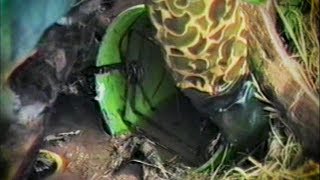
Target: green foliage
[
  {"x": 292, "y": 18},
  {"x": 256, "y": 2},
  {"x": 300, "y": 21}
]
